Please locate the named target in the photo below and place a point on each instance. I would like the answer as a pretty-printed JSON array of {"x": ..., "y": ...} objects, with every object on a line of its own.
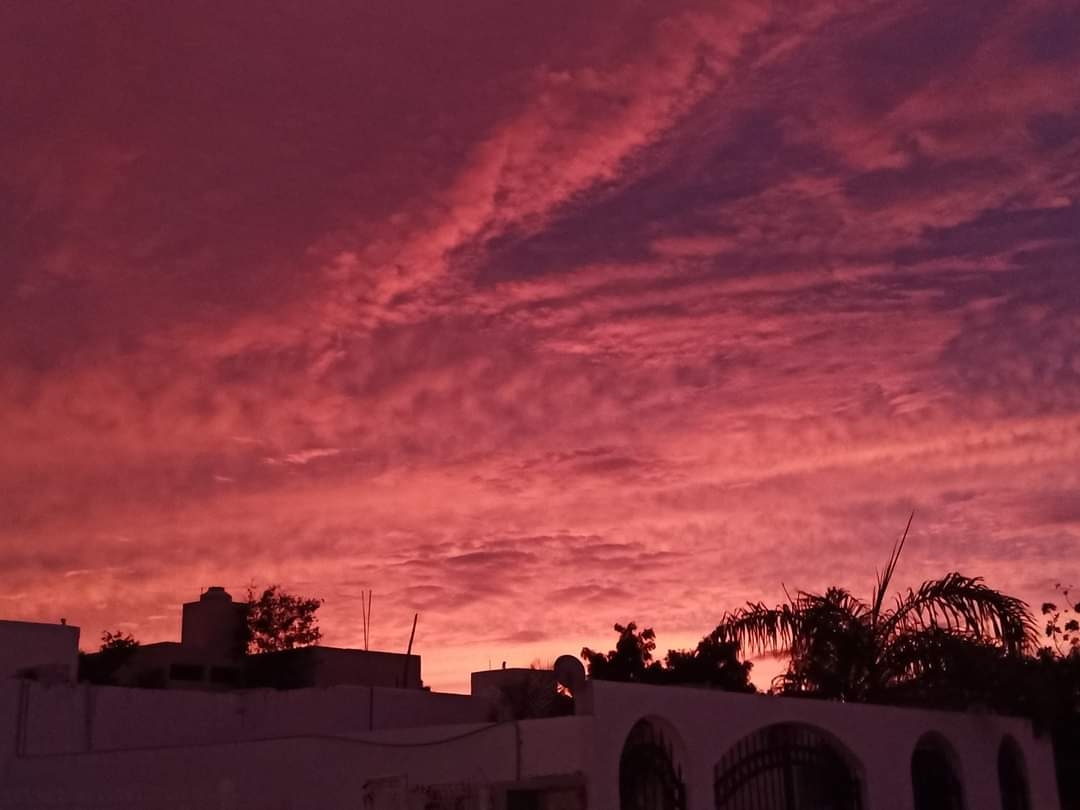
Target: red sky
[{"x": 533, "y": 317}]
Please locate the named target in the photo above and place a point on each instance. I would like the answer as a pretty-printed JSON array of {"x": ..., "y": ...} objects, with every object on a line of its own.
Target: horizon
[{"x": 537, "y": 319}]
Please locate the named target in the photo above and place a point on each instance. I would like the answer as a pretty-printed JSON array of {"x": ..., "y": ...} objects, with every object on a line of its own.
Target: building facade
[
  {"x": 39, "y": 650},
  {"x": 623, "y": 747}
]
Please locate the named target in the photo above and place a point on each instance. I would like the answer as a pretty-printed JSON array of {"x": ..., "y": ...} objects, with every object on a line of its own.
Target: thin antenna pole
[
  {"x": 408, "y": 652},
  {"x": 412, "y": 635},
  {"x": 370, "y": 594},
  {"x": 363, "y": 616}
]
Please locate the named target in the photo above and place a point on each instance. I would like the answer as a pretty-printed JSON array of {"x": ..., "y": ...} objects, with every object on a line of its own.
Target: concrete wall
[
  {"x": 318, "y": 666},
  {"x": 292, "y": 774},
  {"x": 301, "y": 773},
  {"x": 68, "y": 718},
  {"x": 34, "y": 645},
  {"x": 703, "y": 725},
  {"x": 335, "y": 666},
  {"x": 318, "y": 748}
]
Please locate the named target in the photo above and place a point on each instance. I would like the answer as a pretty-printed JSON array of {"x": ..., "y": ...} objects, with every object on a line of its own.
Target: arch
[
  {"x": 1012, "y": 776},
  {"x": 650, "y": 777},
  {"x": 935, "y": 775},
  {"x": 788, "y": 766}
]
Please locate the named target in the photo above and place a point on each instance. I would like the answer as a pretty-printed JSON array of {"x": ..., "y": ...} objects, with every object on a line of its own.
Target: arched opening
[
  {"x": 787, "y": 767},
  {"x": 935, "y": 781},
  {"x": 649, "y": 776},
  {"x": 1012, "y": 777}
]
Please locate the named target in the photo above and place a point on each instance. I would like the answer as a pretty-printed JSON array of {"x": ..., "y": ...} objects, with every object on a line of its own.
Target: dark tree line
[{"x": 712, "y": 663}]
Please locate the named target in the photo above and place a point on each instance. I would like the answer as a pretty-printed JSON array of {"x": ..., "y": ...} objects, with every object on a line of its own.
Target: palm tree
[{"x": 844, "y": 648}]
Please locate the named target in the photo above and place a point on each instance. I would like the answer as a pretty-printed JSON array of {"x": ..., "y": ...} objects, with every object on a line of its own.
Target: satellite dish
[{"x": 569, "y": 673}]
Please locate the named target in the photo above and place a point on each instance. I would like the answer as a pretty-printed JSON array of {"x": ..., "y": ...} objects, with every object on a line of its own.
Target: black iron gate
[
  {"x": 649, "y": 778},
  {"x": 786, "y": 767}
]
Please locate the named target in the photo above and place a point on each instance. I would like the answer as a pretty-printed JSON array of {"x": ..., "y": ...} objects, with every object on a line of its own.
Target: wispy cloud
[{"x": 534, "y": 318}]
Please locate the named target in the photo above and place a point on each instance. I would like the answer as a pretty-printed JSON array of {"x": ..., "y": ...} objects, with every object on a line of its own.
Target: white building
[
  {"x": 624, "y": 746},
  {"x": 39, "y": 650}
]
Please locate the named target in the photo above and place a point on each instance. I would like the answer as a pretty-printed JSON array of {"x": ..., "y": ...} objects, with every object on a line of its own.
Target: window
[
  {"x": 185, "y": 672},
  {"x": 224, "y": 675},
  {"x": 649, "y": 779},
  {"x": 523, "y": 800},
  {"x": 934, "y": 780},
  {"x": 786, "y": 767},
  {"x": 549, "y": 798},
  {"x": 1011, "y": 777}
]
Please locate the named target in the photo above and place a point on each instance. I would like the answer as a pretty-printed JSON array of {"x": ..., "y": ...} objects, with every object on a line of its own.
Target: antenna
[
  {"x": 408, "y": 651},
  {"x": 569, "y": 673},
  {"x": 365, "y": 612}
]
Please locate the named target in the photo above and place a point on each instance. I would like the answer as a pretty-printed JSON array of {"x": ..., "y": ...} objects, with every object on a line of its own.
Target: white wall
[
  {"x": 557, "y": 746},
  {"x": 705, "y": 724},
  {"x": 26, "y": 645},
  {"x": 69, "y": 718},
  {"x": 216, "y": 753},
  {"x": 295, "y": 774}
]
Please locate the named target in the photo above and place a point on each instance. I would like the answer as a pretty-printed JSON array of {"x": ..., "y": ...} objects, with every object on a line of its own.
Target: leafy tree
[
  {"x": 278, "y": 620},
  {"x": 117, "y": 641},
  {"x": 1051, "y": 691},
  {"x": 844, "y": 648},
  {"x": 713, "y": 662},
  {"x": 102, "y": 668},
  {"x": 1063, "y": 624},
  {"x": 631, "y": 660}
]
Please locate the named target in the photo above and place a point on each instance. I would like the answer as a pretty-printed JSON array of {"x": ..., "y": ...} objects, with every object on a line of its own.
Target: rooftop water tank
[{"x": 215, "y": 624}]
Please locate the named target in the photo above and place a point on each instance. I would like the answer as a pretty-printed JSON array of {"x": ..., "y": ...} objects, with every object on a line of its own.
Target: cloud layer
[{"x": 534, "y": 319}]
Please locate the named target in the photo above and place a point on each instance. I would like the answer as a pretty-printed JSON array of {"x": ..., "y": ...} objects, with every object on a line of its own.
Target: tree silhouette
[
  {"x": 844, "y": 648},
  {"x": 277, "y": 620},
  {"x": 631, "y": 660},
  {"x": 117, "y": 641},
  {"x": 115, "y": 651},
  {"x": 714, "y": 662},
  {"x": 1063, "y": 623}
]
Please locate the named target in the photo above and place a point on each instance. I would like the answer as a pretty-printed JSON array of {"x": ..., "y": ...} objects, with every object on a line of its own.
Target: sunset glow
[{"x": 533, "y": 317}]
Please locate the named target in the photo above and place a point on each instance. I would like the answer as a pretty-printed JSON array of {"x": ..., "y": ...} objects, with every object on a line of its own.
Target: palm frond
[
  {"x": 885, "y": 576},
  {"x": 759, "y": 628},
  {"x": 967, "y": 604},
  {"x": 941, "y": 668},
  {"x": 837, "y": 601},
  {"x": 923, "y": 649}
]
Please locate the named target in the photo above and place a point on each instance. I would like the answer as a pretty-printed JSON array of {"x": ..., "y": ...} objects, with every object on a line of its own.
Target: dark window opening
[
  {"x": 224, "y": 675},
  {"x": 1011, "y": 777},
  {"x": 185, "y": 672},
  {"x": 649, "y": 779},
  {"x": 933, "y": 779},
  {"x": 523, "y": 800}
]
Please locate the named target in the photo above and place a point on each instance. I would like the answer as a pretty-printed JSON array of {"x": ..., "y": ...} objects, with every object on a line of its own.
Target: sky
[{"x": 533, "y": 317}]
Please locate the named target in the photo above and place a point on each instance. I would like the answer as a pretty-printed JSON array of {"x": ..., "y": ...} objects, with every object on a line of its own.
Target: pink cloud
[{"x": 632, "y": 317}]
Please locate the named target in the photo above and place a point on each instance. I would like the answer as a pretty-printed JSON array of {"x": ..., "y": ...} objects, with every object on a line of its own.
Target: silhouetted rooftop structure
[
  {"x": 39, "y": 650},
  {"x": 210, "y": 656}
]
